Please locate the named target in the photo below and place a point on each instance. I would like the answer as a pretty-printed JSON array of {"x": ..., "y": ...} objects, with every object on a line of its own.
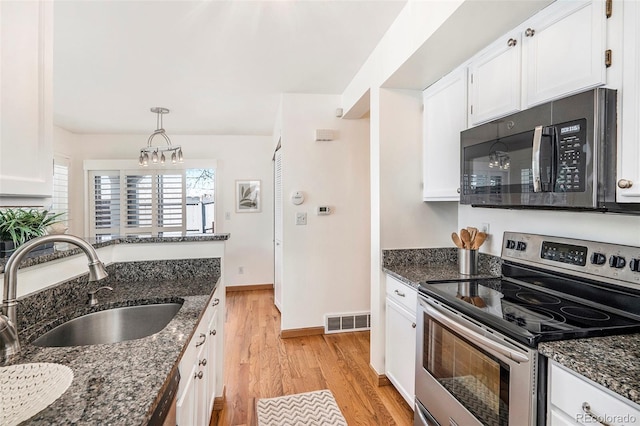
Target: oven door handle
[{"x": 475, "y": 337}]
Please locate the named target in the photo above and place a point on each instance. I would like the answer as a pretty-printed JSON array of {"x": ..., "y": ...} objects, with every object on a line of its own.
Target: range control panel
[{"x": 614, "y": 263}]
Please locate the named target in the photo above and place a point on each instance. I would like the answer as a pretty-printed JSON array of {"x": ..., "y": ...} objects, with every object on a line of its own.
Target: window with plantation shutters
[
  {"x": 141, "y": 202},
  {"x": 105, "y": 206}
]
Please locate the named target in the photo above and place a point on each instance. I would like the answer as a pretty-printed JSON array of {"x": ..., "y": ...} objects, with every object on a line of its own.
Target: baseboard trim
[
  {"x": 379, "y": 379},
  {"x": 249, "y": 287},
  {"x": 218, "y": 401},
  {"x": 301, "y": 332}
]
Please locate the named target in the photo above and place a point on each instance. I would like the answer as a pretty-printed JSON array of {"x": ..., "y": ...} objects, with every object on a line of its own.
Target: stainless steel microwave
[{"x": 558, "y": 155}]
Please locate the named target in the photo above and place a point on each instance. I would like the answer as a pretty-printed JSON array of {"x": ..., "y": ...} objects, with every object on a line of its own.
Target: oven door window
[{"x": 479, "y": 381}]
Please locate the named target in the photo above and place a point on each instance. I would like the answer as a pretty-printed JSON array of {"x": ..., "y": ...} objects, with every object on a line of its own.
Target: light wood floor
[{"x": 259, "y": 364}]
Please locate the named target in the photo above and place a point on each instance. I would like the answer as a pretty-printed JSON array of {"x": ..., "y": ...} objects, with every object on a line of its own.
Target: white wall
[
  {"x": 609, "y": 227},
  {"x": 417, "y": 21},
  {"x": 238, "y": 157},
  {"x": 406, "y": 221},
  {"x": 399, "y": 218},
  {"x": 326, "y": 262}
]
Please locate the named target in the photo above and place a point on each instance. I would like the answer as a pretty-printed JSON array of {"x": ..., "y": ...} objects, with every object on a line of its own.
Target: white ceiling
[{"x": 219, "y": 66}]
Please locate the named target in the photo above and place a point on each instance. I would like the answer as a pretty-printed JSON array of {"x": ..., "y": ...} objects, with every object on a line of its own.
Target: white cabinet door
[
  {"x": 26, "y": 134},
  {"x": 200, "y": 367},
  {"x": 187, "y": 404},
  {"x": 574, "y": 399},
  {"x": 628, "y": 190},
  {"x": 494, "y": 80},
  {"x": 401, "y": 349},
  {"x": 212, "y": 348},
  {"x": 444, "y": 117},
  {"x": 563, "y": 50}
]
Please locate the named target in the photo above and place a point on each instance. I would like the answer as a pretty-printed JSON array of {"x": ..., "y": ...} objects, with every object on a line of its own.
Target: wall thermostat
[
  {"x": 323, "y": 210},
  {"x": 297, "y": 198}
]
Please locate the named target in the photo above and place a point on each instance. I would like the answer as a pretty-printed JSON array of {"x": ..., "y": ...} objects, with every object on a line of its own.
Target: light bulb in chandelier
[
  {"x": 162, "y": 159},
  {"x": 173, "y": 158},
  {"x": 154, "y": 157}
]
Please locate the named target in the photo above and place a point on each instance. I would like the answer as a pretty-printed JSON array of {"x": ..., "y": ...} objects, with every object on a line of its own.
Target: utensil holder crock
[{"x": 467, "y": 261}]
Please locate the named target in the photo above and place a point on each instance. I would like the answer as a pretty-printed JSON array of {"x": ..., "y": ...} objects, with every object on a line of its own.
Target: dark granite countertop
[
  {"x": 610, "y": 361},
  {"x": 417, "y": 266},
  {"x": 120, "y": 383},
  {"x": 66, "y": 250}
]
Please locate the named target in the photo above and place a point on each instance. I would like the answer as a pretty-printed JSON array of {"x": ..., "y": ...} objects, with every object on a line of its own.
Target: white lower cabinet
[
  {"x": 198, "y": 370},
  {"x": 401, "y": 338},
  {"x": 576, "y": 400}
]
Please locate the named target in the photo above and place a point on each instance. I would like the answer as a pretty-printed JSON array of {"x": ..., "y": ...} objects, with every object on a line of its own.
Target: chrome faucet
[
  {"x": 93, "y": 300},
  {"x": 9, "y": 342}
]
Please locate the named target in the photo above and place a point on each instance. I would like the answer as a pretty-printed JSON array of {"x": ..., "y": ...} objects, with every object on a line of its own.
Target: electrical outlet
[
  {"x": 240, "y": 269},
  {"x": 485, "y": 228},
  {"x": 301, "y": 218}
]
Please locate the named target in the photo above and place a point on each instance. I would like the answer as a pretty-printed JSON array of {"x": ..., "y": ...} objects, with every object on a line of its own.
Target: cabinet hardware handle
[
  {"x": 413, "y": 325},
  {"x": 203, "y": 337},
  {"x": 215, "y": 302},
  {"x": 625, "y": 184},
  {"x": 203, "y": 362},
  {"x": 587, "y": 409},
  {"x": 530, "y": 32},
  {"x": 458, "y": 190},
  {"x": 198, "y": 375},
  {"x": 399, "y": 293},
  {"x": 212, "y": 332},
  {"x": 512, "y": 42}
]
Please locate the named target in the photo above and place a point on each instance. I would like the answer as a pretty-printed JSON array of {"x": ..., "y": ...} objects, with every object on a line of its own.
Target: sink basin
[
  {"x": 111, "y": 326},
  {"x": 28, "y": 389}
]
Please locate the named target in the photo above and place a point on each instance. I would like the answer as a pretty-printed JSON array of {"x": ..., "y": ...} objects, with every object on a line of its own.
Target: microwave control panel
[{"x": 570, "y": 146}]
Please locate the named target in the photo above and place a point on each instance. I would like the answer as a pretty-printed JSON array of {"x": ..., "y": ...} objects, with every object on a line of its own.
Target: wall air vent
[
  {"x": 338, "y": 323},
  {"x": 323, "y": 135}
]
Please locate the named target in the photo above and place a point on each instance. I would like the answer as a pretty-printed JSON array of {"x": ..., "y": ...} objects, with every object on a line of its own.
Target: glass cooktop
[{"x": 527, "y": 314}]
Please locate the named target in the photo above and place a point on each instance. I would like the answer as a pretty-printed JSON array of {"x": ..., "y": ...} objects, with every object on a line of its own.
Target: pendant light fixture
[{"x": 155, "y": 154}]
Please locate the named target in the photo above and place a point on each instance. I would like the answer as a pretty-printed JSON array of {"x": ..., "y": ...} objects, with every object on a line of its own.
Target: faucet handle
[{"x": 92, "y": 295}]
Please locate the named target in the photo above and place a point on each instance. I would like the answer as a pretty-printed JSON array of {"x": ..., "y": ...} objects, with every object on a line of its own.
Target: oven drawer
[
  {"x": 569, "y": 392},
  {"x": 402, "y": 294}
]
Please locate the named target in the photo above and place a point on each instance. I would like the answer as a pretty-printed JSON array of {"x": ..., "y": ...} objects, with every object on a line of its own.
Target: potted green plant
[{"x": 18, "y": 225}]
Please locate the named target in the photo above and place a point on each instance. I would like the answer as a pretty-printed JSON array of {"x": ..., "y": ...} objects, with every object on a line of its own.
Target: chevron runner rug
[{"x": 317, "y": 408}]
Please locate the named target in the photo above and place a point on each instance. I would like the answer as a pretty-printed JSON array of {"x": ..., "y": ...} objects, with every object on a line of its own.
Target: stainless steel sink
[{"x": 111, "y": 326}]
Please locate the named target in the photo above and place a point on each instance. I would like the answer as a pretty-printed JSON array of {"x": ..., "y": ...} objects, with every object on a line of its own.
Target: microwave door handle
[
  {"x": 535, "y": 159},
  {"x": 475, "y": 337}
]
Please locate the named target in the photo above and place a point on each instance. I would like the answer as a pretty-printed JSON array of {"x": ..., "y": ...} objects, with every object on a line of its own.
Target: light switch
[{"x": 301, "y": 218}]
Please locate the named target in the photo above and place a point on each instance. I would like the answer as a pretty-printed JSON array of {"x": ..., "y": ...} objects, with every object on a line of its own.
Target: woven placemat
[
  {"x": 27, "y": 389},
  {"x": 309, "y": 409}
]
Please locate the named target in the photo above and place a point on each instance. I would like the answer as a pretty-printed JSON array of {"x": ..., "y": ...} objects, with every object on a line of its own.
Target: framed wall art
[{"x": 248, "y": 196}]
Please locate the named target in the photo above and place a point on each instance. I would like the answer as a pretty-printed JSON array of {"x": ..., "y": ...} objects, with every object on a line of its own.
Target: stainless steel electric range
[{"x": 477, "y": 362}]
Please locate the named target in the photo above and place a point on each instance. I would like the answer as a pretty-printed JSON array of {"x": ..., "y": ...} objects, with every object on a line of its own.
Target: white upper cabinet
[
  {"x": 26, "y": 134},
  {"x": 563, "y": 50},
  {"x": 494, "y": 80},
  {"x": 444, "y": 117},
  {"x": 557, "y": 52},
  {"x": 628, "y": 188}
]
